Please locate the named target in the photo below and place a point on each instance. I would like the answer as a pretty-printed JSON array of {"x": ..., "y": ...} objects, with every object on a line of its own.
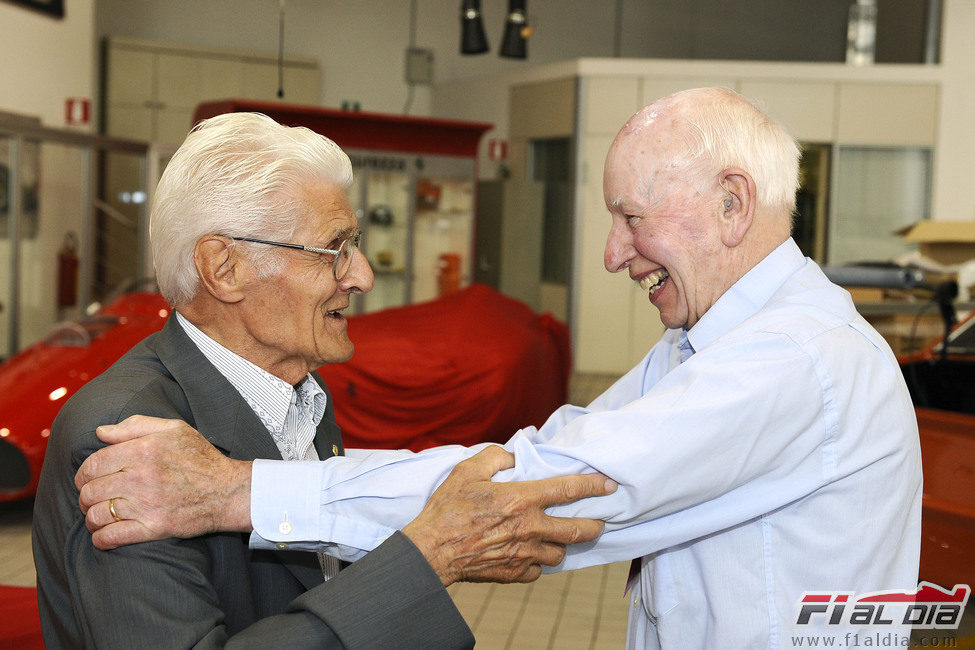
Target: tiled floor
[
  {"x": 16, "y": 561},
  {"x": 572, "y": 610}
]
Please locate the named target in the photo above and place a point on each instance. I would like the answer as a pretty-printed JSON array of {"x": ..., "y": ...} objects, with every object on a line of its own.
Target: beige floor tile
[
  {"x": 16, "y": 560},
  {"x": 574, "y": 609}
]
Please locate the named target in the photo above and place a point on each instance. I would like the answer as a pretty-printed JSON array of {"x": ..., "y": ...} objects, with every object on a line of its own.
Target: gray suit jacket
[{"x": 213, "y": 590}]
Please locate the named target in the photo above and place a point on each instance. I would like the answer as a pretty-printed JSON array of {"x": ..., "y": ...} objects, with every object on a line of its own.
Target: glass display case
[
  {"x": 854, "y": 200},
  {"x": 417, "y": 219},
  {"x": 413, "y": 194}
]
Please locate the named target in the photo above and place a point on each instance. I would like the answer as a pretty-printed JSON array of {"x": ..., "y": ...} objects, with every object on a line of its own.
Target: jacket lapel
[
  {"x": 225, "y": 419},
  {"x": 328, "y": 438},
  {"x": 222, "y": 416}
]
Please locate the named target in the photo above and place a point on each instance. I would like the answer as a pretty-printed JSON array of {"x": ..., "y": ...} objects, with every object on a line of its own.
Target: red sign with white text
[
  {"x": 498, "y": 150},
  {"x": 77, "y": 111}
]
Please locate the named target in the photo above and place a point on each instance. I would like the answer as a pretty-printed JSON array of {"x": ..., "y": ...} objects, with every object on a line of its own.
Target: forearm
[
  {"x": 231, "y": 507},
  {"x": 158, "y": 483},
  {"x": 682, "y": 472},
  {"x": 346, "y": 505}
]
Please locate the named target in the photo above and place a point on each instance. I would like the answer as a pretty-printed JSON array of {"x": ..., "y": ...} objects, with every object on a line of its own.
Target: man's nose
[
  {"x": 619, "y": 248},
  {"x": 359, "y": 278}
]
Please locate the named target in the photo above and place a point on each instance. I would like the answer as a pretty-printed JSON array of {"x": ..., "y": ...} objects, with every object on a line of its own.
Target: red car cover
[{"x": 470, "y": 367}]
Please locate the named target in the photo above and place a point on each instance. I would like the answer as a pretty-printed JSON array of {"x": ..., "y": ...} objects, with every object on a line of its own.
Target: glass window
[
  {"x": 552, "y": 165},
  {"x": 877, "y": 191}
]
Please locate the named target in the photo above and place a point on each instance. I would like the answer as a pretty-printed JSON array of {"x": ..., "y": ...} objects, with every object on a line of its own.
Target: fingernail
[{"x": 611, "y": 485}]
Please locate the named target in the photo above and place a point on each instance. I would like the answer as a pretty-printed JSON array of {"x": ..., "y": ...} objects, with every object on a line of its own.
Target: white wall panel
[
  {"x": 896, "y": 114},
  {"x": 603, "y": 329},
  {"x": 806, "y": 108},
  {"x": 131, "y": 76},
  {"x": 656, "y": 86},
  {"x": 610, "y": 101}
]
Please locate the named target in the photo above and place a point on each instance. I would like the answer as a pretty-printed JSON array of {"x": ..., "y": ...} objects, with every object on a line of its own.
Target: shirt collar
[
  {"x": 270, "y": 397},
  {"x": 748, "y": 295}
]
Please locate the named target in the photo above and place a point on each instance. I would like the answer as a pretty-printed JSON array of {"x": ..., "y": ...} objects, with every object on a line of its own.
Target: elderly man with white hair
[
  {"x": 256, "y": 247},
  {"x": 765, "y": 447}
]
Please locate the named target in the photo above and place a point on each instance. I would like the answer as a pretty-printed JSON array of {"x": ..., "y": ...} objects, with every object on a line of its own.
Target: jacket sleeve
[
  {"x": 164, "y": 592},
  {"x": 391, "y": 598}
]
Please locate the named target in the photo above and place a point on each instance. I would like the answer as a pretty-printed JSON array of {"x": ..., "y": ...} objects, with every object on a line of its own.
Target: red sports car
[{"x": 470, "y": 367}]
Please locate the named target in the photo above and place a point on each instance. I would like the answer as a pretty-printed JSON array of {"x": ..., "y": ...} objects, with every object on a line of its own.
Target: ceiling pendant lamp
[
  {"x": 472, "y": 37},
  {"x": 516, "y": 31}
]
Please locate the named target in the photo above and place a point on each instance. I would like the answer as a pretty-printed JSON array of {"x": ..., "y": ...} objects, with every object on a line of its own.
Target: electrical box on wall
[{"x": 419, "y": 65}]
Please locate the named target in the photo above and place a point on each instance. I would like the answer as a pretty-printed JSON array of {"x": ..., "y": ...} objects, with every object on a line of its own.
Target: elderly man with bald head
[{"x": 765, "y": 447}]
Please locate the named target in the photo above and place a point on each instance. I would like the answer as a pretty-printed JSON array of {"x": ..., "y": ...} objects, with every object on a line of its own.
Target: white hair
[
  {"x": 722, "y": 129},
  {"x": 237, "y": 174}
]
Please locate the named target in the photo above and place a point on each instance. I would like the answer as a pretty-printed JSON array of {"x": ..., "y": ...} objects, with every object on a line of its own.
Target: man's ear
[
  {"x": 219, "y": 267},
  {"x": 738, "y": 208}
]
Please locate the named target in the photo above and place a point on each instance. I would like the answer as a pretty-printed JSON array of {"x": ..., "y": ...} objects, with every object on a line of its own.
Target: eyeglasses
[{"x": 343, "y": 254}]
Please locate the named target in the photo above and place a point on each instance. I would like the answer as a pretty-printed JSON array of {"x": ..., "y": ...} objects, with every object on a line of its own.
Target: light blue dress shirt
[{"x": 782, "y": 457}]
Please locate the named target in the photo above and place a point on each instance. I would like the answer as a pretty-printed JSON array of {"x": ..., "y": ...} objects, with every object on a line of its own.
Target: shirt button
[
  {"x": 636, "y": 601},
  {"x": 281, "y": 546},
  {"x": 335, "y": 450},
  {"x": 285, "y": 527}
]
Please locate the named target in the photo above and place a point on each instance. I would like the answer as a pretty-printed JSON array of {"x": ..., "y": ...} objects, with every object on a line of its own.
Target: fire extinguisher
[
  {"x": 68, "y": 272},
  {"x": 448, "y": 273}
]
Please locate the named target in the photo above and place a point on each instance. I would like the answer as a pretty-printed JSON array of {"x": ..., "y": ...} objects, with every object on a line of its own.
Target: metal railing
[{"x": 19, "y": 133}]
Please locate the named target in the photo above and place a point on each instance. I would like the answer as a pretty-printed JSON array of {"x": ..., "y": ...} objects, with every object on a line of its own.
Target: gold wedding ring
[{"x": 111, "y": 509}]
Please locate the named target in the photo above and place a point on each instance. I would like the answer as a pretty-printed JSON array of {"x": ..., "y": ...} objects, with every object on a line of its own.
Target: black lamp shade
[
  {"x": 472, "y": 37},
  {"x": 515, "y": 42}
]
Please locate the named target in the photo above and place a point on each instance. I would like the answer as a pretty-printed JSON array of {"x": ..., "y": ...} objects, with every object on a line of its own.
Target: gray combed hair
[{"x": 237, "y": 174}]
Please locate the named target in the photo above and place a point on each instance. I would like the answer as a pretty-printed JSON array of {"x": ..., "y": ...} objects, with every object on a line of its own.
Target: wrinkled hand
[
  {"x": 475, "y": 530},
  {"x": 165, "y": 480}
]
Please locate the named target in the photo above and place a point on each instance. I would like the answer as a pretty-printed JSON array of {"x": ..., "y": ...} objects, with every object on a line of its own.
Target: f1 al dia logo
[{"x": 930, "y": 607}]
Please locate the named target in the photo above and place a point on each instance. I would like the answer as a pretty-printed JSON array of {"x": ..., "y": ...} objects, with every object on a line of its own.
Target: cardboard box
[
  {"x": 865, "y": 294},
  {"x": 908, "y": 333},
  {"x": 945, "y": 242}
]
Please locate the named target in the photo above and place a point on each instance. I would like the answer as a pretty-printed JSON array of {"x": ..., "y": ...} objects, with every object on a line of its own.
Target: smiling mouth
[{"x": 654, "y": 281}]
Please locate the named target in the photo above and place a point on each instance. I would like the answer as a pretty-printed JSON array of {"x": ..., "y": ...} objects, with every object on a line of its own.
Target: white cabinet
[
  {"x": 806, "y": 108},
  {"x": 151, "y": 89},
  {"x": 887, "y": 114}
]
